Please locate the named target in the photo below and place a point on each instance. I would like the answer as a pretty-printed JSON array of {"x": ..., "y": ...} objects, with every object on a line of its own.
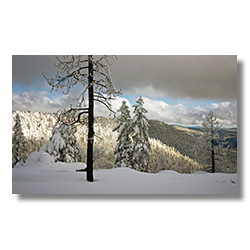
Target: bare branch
[
  {"x": 72, "y": 69},
  {"x": 72, "y": 116},
  {"x": 108, "y": 106}
]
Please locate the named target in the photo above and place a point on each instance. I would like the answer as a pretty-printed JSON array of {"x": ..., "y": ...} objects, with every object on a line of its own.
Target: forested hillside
[
  {"x": 171, "y": 148},
  {"x": 172, "y": 137},
  {"x": 184, "y": 139},
  {"x": 227, "y": 134}
]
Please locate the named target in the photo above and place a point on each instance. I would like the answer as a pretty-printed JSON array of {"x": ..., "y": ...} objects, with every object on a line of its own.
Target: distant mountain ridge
[{"x": 227, "y": 134}]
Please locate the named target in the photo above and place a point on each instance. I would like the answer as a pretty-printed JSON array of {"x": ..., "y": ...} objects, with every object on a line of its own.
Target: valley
[{"x": 172, "y": 146}]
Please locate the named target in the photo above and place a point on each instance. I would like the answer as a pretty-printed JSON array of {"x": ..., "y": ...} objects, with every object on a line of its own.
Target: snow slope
[{"x": 40, "y": 175}]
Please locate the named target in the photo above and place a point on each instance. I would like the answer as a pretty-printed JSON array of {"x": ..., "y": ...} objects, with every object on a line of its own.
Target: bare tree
[
  {"x": 211, "y": 126},
  {"x": 95, "y": 77},
  {"x": 211, "y": 153}
]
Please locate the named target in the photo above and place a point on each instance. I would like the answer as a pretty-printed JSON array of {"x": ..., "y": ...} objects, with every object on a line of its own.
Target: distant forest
[
  {"x": 229, "y": 135},
  {"x": 183, "y": 140},
  {"x": 172, "y": 146}
]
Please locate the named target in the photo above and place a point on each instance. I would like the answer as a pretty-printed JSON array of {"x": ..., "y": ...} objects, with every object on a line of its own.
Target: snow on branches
[
  {"x": 73, "y": 69},
  {"x": 123, "y": 147},
  {"x": 133, "y": 147},
  {"x": 73, "y": 116},
  {"x": 19, "y": 147},
  {"x": 141, "y": 147},
  {"x": 95, "y": 76},
  {"x": 62, "y": 145}
]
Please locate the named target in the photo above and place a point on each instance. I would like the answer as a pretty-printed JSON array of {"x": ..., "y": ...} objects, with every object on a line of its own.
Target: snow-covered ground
[{"x": 40, "y": 175}]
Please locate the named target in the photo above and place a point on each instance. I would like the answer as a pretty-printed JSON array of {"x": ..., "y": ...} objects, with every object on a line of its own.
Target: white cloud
[
  {"x": 101, "y": 110},
  {"x": 38, "y": 101},
  {"x": 215, "y": 105},
  {"x": 226, "y": 112},
  {"x": 173, "y": 114}
]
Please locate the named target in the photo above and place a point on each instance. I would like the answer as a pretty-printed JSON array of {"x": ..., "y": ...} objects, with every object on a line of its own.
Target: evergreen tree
[
  {"x": 62, "y": 145},
  {"x": 140, "y": 146},
  {"x": 19, "y": 143},
  {"x": 123, "y": 147}
]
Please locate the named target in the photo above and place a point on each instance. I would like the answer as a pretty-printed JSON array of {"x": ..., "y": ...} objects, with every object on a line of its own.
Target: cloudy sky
[{"x": 176, "y": 89}]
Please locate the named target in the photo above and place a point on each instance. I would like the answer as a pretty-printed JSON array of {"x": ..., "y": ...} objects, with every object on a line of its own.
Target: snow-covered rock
[{"x": 39, "y": 157}]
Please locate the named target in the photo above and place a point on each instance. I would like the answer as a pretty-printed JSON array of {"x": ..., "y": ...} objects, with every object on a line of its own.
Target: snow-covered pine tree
[
  {"x": 123, "y": 147},
  {"x": 62, "y": 145},
  {"x": 141, "y": 146},
  {"x": 19, "y": 143}
]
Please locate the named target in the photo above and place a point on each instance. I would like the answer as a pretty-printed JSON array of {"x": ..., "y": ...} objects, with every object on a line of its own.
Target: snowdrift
[{"x": 40, "y": 175}]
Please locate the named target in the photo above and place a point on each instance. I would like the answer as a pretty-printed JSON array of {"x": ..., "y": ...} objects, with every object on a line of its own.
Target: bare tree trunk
[
  {"x": 90, "y": 125},
  {"x": 213, "y": 163},
  {"x": 71, "y": 71},
  {"x": 212, "y": 135}
]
